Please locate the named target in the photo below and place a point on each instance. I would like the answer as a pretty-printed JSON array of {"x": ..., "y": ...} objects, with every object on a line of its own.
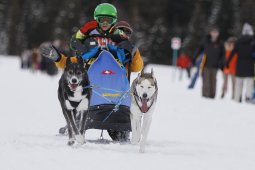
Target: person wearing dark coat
[
  {"x": 214, "y": 52},
  {"x": 245, "y": 48}
]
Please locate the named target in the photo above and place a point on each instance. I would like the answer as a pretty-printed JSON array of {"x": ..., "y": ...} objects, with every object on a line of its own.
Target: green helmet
[{"x": 105, "y": 9}]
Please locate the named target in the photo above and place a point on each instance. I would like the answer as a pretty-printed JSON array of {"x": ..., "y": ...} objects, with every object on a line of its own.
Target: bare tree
[
  {"x": 3, "y": 28},
  {"x": 195, "y": 27}
]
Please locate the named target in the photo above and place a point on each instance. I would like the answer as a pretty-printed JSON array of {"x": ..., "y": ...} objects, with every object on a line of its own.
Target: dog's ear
[
  {"x": 152, "y": 72},
  {"x": 139, "y": 75},
  {"x": 152, "y": 76},
  {"x": 68, "y": 61},
  {"x": 142, "y": 72}
]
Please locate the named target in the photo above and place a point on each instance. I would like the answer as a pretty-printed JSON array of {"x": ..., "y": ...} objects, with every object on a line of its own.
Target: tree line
[{"x": 26, "y": 24}]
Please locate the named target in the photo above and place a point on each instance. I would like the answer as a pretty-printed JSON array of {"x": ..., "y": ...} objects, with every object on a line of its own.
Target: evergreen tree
[{"x": 27, "y": 24}]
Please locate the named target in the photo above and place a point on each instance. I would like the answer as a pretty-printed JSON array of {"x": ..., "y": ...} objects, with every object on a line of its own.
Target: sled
[{"x": 109, "y": 107}]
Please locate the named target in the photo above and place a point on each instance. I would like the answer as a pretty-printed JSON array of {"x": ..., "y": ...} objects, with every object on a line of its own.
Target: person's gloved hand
[
  {"x": 119, "y": 36},
  {"x": 126, "y": 45},
  {"x": 81, "y": 47},
  {"x": 116, "y": 38},
  {"x": 50, "y": 52},
  {"x": 77, "y": 46},
  {"x": 129, "y": 49},
  {"x": 90, "y": 25}
]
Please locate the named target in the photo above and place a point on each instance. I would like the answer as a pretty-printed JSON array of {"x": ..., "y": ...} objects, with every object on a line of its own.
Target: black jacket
[
  {"x": 244, "y": 48},
  {"x": 214, "y": 52}
]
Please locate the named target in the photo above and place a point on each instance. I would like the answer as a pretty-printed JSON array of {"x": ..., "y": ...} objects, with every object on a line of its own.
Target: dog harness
[
  {"x": 137, "y": 98},
  {"x": 74, "y": 104}
]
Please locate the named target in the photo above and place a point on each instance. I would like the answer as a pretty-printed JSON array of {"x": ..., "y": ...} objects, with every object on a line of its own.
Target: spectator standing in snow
[
  {"x": 184, "y": 63},
  {"x": 214, "y": 53},
  {"x": 36, "y": 60},
  {"x": 244, "y": 48},
  {"x": 26, "y": 59},
  {"x": 231, "y": 70}
]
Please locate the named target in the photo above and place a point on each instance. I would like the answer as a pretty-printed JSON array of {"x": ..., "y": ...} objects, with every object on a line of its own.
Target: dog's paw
[
  {"x": 142, "y": 149},
  {"x": 63, "y": 131},
  {"x": 134, "y": 141},
  {"x": 80, "y": 139},
  {"x": 70, "y": 142}
]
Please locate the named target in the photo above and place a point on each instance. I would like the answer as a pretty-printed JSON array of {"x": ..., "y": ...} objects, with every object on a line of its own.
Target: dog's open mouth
[
  {"x": 73, "y": 86},
  {"x": 144, "y": 107}
]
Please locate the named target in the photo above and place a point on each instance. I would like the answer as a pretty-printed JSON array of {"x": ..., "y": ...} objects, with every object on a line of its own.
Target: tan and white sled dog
[{"x": 144, "y": 89}]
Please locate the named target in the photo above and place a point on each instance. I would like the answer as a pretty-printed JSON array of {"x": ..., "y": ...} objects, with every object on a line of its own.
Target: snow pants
[
  {"x": 225, "y": 84},
  {"x": 239, "y": 84},
  {"x": 209, "y": 82}
]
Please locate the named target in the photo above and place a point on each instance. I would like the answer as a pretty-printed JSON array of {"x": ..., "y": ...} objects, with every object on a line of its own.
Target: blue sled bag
[{"x": 109, "y": 81}]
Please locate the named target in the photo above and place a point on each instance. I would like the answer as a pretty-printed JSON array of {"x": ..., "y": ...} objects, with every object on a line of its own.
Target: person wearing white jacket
[{"x": 245, "y": 47}]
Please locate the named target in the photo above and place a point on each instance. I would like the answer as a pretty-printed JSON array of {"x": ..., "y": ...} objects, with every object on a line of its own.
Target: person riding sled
[{"x": 91, "y": 42}]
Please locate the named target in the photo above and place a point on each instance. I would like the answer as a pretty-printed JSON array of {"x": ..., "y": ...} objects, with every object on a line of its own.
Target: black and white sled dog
[
  {"x": 74, "y": 99},
  {"x": 145, "y": 90}
]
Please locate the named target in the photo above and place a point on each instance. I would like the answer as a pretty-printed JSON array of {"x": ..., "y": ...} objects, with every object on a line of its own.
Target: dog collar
[{"x": 138, "y": 98}]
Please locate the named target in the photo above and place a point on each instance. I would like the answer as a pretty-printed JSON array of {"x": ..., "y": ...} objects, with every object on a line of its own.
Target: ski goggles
[{"x": 106, "y": 20}]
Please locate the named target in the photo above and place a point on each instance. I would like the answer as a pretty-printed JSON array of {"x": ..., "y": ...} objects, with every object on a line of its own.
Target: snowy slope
[{"x": 188, "y": 132}]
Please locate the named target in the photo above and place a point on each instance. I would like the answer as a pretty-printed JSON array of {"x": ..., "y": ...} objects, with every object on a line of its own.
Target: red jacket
[
  {"x": 183, "y": 61},
  {"x": 232, "y": 64}
]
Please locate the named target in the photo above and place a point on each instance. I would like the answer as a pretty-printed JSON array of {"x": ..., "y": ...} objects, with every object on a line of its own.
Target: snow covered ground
[{"x": 188, "y": 132}]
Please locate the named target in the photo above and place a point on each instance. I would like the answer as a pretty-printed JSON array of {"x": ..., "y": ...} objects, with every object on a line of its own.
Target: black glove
[
  {"x": 119, "y": 37},
  {"x": 129, "y": 49},
  {"x": 127, "y": 46},
  {"x": 77, "y": 46},
  {"x": 81, "y": 47},
  {"x": 50, "y": 52},
  {"x": 116, "y": 38}
]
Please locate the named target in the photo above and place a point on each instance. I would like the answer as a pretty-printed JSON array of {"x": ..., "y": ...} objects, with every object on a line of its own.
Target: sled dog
[
  {"x": 144, "y": 89},
  {"x": 74, "y": 99}
]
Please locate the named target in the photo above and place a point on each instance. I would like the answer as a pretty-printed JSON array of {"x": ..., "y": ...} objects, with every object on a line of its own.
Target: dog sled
[{"x": 109, "y": 106}]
